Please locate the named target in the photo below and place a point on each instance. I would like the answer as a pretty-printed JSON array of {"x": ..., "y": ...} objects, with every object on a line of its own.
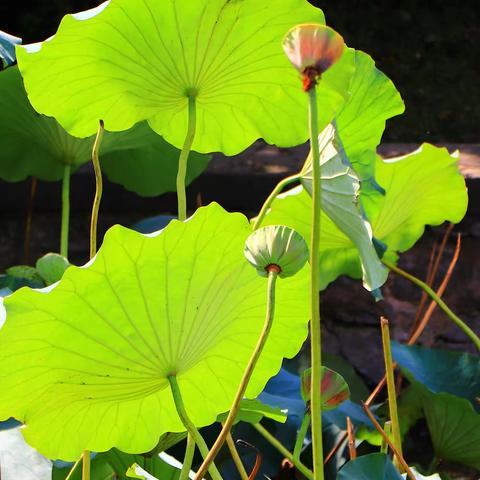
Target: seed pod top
[
  {"x": 312, "y": 49},
  {"x": 276, "y": 248}
]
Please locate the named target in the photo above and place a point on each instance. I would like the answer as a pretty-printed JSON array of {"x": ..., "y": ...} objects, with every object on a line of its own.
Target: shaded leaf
[
  {"x": 375, "y": 466},
  {"x": 130, "y": 61},
  {"x": 51, "y": 267},
  {"x": 97, "y": 349},
  {"x": 253, "y": 410},
  {"x": 7, "y": 48}
]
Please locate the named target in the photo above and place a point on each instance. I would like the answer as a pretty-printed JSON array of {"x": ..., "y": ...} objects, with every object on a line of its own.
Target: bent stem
[
  {"x": 183, "y": 159},
  {"x": 236, "y": 457},
  {"x": 190, "y": 427},
  {"x": 315, "y": 332},
  {"x": 268, "y": 202},
  {"x": 65, "y": 211},
  {"x": 86, "y": 465},
  {"x": 272, "y": 277},
  {"x": 392, "y": 394},
  {"x": 301, "y": 436},
  {"x": 98, "y": 189},
  {"x": 188, "y": 458},
  {"x": 455, "y": 318},
  {"x": 283, "y": 450}
]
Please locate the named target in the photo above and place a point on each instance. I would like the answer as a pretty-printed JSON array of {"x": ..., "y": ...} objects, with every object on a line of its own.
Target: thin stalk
[
  {"x": 457, "y": 320},
  {"x": 315, "y": 332},
  {"x": 183, "y": 159},
  {"x": 297, "y": 450},
  {"x": 86, "y": 465},
  {"x": 72, "y": 470},
  {"x": 276, "y": 191},
  {"x": 236, "y": 457},
  {"x": 98, "y": 189},
  {"x": 351, "y": 440},
  {"x": 189, "y": 425},
  {"x": 65, "y": 211},
  {"x": 247, "y": 374},
  {"x": 283, "y": 450},
  {"x": 392, "y": 394},
  {"x": 188, "y": 458},
  {"x": 388, "y": 431},
  {"x": 385, "y": 437}
]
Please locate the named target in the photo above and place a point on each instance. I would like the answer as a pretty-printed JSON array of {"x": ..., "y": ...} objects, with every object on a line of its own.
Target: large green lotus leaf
[
  {"x": 361, "y": 121},
  {"x": 454, "y": 428},
  {"x": 457, "y": 373},
  {"x": 423, "y": 188},
  {"x": 88, "y": 360},
  {"x": 35, "y": 145},
  {"x": 7, "y": 49},
  {"x": 340, "y": 192},
  {"x": 131, "y": 60},
  {"x": 375, "y": 466}
]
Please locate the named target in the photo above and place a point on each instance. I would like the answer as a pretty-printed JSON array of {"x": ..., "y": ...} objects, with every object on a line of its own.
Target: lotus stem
[
  {"x": 86, "y": 465},
  {"x": 268, "y": 202},
  {"x": 443, "y": 306},
  {"x": 301, "y": 436},
  {"x": 247, "y": 374},
  {"x": 190, "y": 427},
  {"x": 392, "y": 394},
  {"x": 236, "y": 457},
  {"x": 283, "y": 450},
  {"x": 352, "y": 449},
  {"x": 315, "y": 331},
  {"x": 73, "y": 469},
  {"x": 183, "y": 159},
  {"x": 65, "y": 211},
  {"x": 98, "y": 189},
  {"x": 188, "y": 458}
]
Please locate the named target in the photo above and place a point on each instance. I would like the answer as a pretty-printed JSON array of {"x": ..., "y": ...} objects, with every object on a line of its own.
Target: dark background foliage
[{"x": 429, "y": 48}]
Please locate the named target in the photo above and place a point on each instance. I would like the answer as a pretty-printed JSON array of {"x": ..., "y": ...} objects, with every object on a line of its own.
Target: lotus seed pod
[
  {"x": 276, "y": 248},
  {"x": 312, "y": 49}
]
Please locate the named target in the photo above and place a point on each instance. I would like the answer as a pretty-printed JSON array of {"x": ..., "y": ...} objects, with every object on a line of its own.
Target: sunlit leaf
[
  {"x": 89, "y": 359},
  {"x": 423, "y": 188},
  {"x": 36, "y": 145},
  {"x": 129, "y": 61},
  {"x": 253, "y": 410}
]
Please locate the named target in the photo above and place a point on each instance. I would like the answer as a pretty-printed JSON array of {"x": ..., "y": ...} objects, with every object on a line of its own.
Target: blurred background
[{"x": 429, "y": 48}]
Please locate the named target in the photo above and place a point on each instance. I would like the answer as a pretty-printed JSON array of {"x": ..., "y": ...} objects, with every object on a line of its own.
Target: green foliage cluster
[{"x": 161, "y": 335}]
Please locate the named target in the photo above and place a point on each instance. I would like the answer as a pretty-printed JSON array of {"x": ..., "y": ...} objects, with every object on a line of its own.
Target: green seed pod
[{"x": 276, "y": 248}]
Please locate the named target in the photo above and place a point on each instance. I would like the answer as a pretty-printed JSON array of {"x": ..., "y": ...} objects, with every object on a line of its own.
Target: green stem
[
  {"x": 86, "y": 465},
  {"x": 98, "y": 189},
  {"x": 189, "y": 426},
  {"x": 73, "y": 470},
  {"x": 392, "y": 394},
  {"x": 183, "y": 159},
  {"x": 65, "y": 211},
  {"x": 315, "y": 332},
  {"x": 236, "y": 457},
  {"x": 247, "y": 374},
  {"x": 456, "y": 319},
  {"x": 188, "y": 458},
  {"x": 301, "y": 436},
  {"x": 268, "y": 202},
  {"x": 283, "y": 450}
]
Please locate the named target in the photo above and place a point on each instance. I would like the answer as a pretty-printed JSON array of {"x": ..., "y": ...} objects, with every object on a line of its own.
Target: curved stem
[
  {"x": 236, "y": 457},
  {"x": 183, "y": 159},
  {"x": 188, "y": 458},
  {"x": 276, "y": 191},
  {"x": 65, "y": 211},
  {"x": 283, "y": 450},
  {"x": 86, "y": 465},
  {"x": 189, "y": 426},
  {"x": 315, "y": 332},
  {"x": 301, "y": 436},
  {"x": 392, "y": 394},
  {"x": 455, "y": 319},
  {"x": 98, "y": 190},
  {"x": 247, "y": 374}
]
